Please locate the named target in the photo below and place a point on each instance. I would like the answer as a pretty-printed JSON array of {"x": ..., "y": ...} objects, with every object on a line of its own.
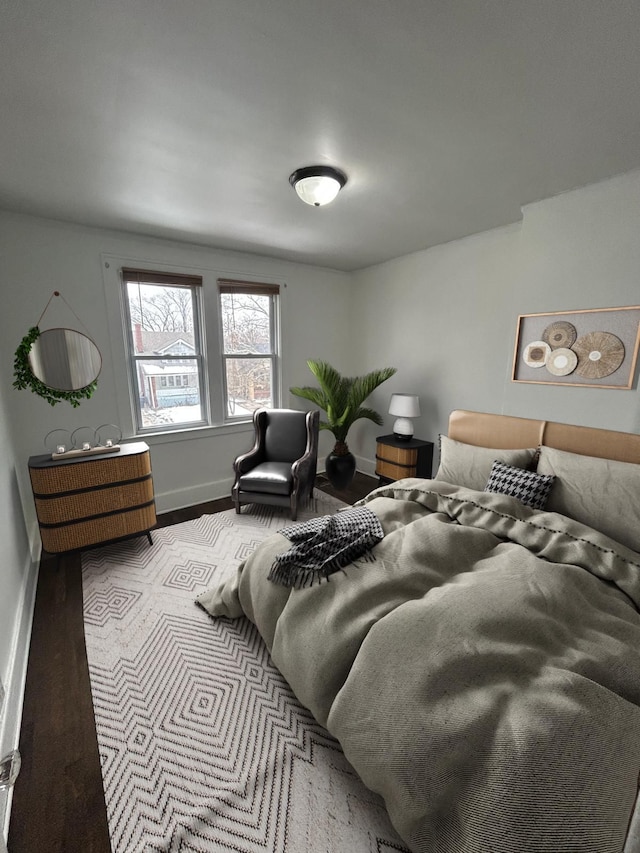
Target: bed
[{"x": 480, "y": 666}]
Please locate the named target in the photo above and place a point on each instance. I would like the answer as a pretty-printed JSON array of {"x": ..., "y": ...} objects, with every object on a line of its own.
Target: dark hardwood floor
[{"x": 58, "y": 801}]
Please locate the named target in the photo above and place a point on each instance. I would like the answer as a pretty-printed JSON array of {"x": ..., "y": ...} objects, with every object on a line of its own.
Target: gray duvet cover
[{"x": 482, "y": 674}]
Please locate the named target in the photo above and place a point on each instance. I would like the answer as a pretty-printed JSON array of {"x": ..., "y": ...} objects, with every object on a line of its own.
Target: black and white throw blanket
[{"x": 325, "y": 545}]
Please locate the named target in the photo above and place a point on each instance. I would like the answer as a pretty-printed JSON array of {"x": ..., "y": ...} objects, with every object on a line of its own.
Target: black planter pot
[{"x": 340, "y": 468}]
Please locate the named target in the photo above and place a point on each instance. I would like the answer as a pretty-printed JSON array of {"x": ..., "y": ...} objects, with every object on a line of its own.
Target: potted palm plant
[{"x": 342, "y": 399}]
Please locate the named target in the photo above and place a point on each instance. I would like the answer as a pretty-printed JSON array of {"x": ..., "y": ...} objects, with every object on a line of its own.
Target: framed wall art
[{"x": 592, "y": 347}]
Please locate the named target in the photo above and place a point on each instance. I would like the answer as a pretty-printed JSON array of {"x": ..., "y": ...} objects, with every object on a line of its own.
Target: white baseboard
[
  {"x": 181, "y": 498},
  {"x": 16, "y": 680},
  {"x": 366, "y": 466},
  {"x": 35, "y": 543}
]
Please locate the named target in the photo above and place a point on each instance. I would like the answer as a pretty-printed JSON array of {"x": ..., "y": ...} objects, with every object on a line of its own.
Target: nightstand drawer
[
  {"x": 407, "y": 457},
  {"x": 391, "y": 471}
]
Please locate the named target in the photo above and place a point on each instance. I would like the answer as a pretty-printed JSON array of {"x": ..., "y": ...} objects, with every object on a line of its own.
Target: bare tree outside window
[
  {"x": 249, "y": 351},
  {"x": 166, "y": 356},
  {"x": 161, "y": 309}
]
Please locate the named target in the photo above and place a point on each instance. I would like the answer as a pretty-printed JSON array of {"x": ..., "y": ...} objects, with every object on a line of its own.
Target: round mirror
[{"x": 65, "y": 360}]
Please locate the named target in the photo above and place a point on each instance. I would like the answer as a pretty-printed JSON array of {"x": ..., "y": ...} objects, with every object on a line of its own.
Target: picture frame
[{"x": 590, "y": 347}]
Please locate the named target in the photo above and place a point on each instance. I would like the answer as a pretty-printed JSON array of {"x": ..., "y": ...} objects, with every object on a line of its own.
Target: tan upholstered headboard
[{"x": 487, "y": 430}]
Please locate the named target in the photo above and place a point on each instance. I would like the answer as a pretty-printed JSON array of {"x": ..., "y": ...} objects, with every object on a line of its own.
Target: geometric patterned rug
[{"x": 203, "y": 746}]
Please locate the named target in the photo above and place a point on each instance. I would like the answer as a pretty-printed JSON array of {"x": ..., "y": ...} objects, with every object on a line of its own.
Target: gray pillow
[
  {"x": 599, "y": 492},
  {"x": 470, "y": 466}
]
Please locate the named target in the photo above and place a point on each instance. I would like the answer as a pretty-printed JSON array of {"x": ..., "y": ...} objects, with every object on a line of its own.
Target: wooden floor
[{"x": 58, "y": 801}]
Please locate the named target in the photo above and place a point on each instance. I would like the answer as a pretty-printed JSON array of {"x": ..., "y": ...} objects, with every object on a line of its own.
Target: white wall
[
  {"x": 17, "y": 585},
  {"x": 580, "y": 250},
  {"x": 39, "y": 256},
  {"x": 14, "y": 560},
  {"x": 446, "y": 317}
]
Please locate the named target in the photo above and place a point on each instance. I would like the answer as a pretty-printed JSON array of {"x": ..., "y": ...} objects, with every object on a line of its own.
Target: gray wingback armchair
[{"x": 280, "y": 469}]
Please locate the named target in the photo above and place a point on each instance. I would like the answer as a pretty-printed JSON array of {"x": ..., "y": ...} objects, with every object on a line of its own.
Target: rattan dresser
[{"x": 92, "y": 500}]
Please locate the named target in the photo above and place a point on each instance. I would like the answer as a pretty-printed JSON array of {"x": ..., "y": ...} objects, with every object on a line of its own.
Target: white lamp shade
[{"x": 404, "y": 407}]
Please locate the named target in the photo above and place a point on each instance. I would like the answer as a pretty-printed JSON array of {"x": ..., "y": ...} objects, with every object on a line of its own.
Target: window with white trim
[
  {"x": 171, "y": 385},
  {"x": 248, "y": 313},
  {"x": 164, "y": 335}
]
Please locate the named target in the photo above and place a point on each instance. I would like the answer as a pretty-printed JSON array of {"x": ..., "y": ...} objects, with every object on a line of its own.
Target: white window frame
[
  {"x": 213, "y": 395},
  {"x": 163, "y": 279},
  {"x": 228, "y": 285}
]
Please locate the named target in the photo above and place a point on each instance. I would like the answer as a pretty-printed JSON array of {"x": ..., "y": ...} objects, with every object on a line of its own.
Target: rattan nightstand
[
  {"x": 397, "y": 458},
  {"x": 89, "y": 501}
]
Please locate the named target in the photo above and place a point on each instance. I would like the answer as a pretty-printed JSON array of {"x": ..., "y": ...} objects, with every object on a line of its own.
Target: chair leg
[
  {"x": 294, "y": 507},
  {"x": 236, "y": 498}
]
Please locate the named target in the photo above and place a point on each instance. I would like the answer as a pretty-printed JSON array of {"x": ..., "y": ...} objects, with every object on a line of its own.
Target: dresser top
[{"x": 131, "y": 448}]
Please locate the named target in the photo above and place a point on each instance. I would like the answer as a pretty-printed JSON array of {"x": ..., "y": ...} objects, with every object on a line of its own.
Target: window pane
[
  {"x": 246, "y": 323},
  {"x": 162, "y": 325},
  {"x": 161, "y": 319},
  {"x": 249, "y": 385},
  {"x": 165, "y": 396}
]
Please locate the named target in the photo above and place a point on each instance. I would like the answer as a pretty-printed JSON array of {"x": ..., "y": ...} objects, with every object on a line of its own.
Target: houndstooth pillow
[{"x": 528, "y": 487}]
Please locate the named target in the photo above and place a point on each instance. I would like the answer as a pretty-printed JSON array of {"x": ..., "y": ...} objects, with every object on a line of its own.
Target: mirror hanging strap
[{"x": 57, "y": 293}]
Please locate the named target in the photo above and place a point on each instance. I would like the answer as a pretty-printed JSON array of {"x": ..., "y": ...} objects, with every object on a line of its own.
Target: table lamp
[{"x": 404, "y": 407}]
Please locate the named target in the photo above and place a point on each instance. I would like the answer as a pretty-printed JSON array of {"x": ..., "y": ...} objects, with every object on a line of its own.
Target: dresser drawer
[
  {"x": 76, "y": 505},
  {"x": 95, "y": 531},
  {"x": 89, "y": 473}
]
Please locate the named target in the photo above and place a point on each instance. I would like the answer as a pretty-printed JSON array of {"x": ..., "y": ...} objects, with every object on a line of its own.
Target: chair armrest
[
  {"x": 246, "y": 461},
  {"x": 302, "y": 467}
]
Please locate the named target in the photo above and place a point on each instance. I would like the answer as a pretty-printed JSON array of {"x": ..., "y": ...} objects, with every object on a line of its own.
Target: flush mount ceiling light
[{"x": 317, "y": 185}]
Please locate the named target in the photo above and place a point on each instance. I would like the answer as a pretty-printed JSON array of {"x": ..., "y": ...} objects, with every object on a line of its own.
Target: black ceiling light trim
[{"x": 298, "y": 178}]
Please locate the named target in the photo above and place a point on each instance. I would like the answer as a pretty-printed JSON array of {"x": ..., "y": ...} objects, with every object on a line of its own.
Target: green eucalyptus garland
[{"x": 25, "y": 378}]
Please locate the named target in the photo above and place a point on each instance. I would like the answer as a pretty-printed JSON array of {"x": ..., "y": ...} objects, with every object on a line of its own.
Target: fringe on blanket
[{"x": 325, "y": 545}]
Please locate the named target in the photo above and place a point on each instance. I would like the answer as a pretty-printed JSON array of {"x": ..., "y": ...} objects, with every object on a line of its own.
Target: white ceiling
[{"x": 184, "y": 118}]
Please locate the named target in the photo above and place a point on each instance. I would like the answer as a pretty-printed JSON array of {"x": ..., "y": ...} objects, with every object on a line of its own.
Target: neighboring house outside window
[{"x": 172, "y": 386}]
